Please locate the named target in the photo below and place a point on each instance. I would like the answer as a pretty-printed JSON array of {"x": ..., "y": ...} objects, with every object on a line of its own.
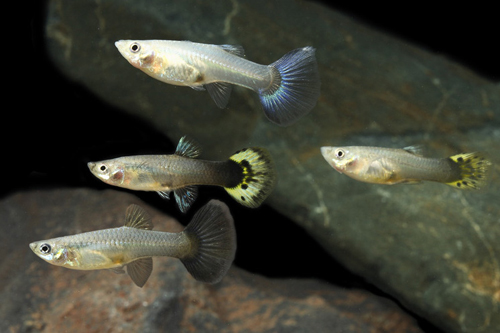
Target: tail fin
[
  {"x": 213, "y": 238},
  {"x": 294, "y": 90},
  {"x": 473, "y": 170},
  {"x": 258, "y": 177}
]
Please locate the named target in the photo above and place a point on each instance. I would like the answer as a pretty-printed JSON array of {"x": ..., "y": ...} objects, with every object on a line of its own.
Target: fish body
[
  {"x": 394, "y": 166},
  {"x": 288, "y": 88},
  {"x": 210, "y": 234},
  {"x": 169, "y": 172},
  {"x": 248, "y": 175}
]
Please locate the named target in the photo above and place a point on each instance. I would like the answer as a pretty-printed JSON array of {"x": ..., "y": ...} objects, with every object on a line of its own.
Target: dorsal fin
[
  {"x": 138, "y": 218},
  {"x": 234, "y": 49},
  {"x": 188, "y": 148},
  {"x": 415, "y": 150}
]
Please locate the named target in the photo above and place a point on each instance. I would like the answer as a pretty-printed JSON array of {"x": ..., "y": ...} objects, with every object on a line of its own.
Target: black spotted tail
[
  {"x": 258, "y": 177},
  {"x": 473, "y": 170}
]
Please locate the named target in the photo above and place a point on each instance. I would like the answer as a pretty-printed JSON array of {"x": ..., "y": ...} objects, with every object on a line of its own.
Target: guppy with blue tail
[{"x": 288, "y": 88}]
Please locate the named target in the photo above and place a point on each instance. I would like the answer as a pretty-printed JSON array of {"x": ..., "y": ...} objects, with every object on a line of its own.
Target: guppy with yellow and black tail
[
  {"x": 248, "y": 176},
  {"x": 395, "y": 166},
  {"x": 206, "y": 247}
]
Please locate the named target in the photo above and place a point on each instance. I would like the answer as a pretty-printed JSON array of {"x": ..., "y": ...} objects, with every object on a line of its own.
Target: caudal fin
[
  {"x": 258, "y": 177},
  {"x": 213, "y": 240},
  {"x": 473, "y": 170},
  {"x": 294, "y": 90}
]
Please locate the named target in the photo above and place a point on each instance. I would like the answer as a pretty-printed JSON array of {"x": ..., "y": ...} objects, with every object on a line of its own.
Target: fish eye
[
  {"x": 102, "y": 167},
  {"x": 135, "y": 47},
  {"x": 340, "y": 153},
  {"x": 45, "y": 248}
]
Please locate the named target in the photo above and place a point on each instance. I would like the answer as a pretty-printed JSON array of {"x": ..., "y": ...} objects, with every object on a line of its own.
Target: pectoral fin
[
  {"x": 117, "y": 270},
  {"x": 198, "y": 88},
  {"x": 140, "y": 270},
  {"x": 164, "y": 194},
  {"x": 409, "y": 182},
  {"x": 379, "y": 171},
  {"x": 94, "y": 258}
]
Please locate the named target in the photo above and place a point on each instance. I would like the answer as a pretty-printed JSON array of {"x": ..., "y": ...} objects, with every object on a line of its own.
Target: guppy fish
[
  {"x": 393, "y": 166},
  {"x": 248, "y": 176},
  {"x": 206, "y": 247},
  {"x": 288, "y": 88}
]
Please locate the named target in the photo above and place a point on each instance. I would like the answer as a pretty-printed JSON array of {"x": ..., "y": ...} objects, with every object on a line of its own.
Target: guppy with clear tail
[
  {"x": 206, "y": 247},
  {"x": 394, "y": 166},
  {"x": 288, "y": 88},
  {"x": 248, "y": 176}
]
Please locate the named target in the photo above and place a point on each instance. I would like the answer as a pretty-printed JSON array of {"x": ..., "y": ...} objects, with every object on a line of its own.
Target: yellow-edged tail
[
  {"x": 473, "y": 170},
  {"x": 258, "y": 176}
]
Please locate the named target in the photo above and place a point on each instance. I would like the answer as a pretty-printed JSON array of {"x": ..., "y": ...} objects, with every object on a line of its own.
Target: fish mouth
[
  {"x": 339, "y": 169},
  {"x": 120, "y": 44},
  {"x": 327, "y": 152},
  {"x": 33, "y": 246},
  {"x": 91, "y": 165}
]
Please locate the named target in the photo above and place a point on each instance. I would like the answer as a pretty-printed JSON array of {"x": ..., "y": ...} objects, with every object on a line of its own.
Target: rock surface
[
  {"x": 432, "y": 247},
  {"x": 46, "y": 298}
]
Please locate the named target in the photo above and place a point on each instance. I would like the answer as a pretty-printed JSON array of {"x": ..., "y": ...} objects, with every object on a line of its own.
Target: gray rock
[{"x": 432, "y": 247}]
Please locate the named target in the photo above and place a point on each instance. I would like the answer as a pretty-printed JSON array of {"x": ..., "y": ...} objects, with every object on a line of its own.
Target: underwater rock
[
  {"x": 432, "y": 247},
  {"x": 46, "y": 298}
]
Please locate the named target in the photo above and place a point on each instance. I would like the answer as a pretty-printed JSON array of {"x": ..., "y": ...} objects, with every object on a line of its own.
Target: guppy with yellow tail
[
  {"x": 395, "y": 166},
  {"x": 206, "y": 247},
  {"x": 248, "y": 175},
  {"x": 288, "y": 88}
]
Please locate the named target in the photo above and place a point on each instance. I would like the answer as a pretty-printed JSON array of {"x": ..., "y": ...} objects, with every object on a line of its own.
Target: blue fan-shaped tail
[{"x": 294, "y": 90}]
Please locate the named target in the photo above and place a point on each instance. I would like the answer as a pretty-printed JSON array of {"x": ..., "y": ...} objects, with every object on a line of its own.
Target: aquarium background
[{"x": 325, "y": 252}]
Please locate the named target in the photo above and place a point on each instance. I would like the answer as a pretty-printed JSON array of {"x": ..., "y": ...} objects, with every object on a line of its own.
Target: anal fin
[
  {"x": 185, "y": 197},
  {"x": 220, "y": 93},
  {"x": 140, "y": 270}
]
